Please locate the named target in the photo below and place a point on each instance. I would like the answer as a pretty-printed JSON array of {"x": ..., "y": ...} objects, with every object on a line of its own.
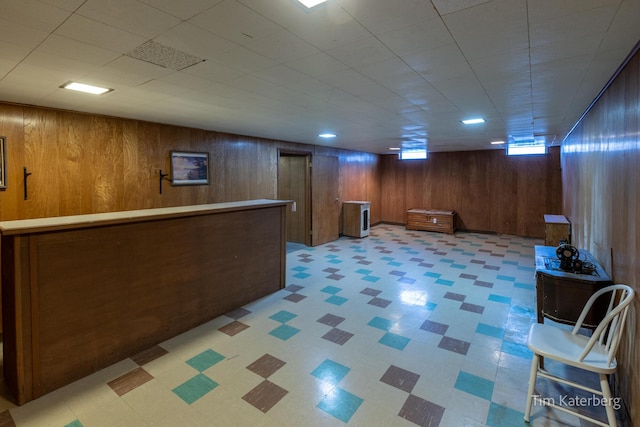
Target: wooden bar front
[{"x": 81, "y": 293}]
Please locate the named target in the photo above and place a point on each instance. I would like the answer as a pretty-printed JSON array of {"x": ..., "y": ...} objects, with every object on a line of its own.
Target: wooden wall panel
[
  {"x": 83, "y": 163},
  {"x": 490, "y": 191},
  {"x": 601, "y": 175}
]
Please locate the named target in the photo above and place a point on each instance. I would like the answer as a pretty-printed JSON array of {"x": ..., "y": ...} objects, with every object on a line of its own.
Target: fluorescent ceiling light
[
  {"x": 327, "y": 135},
  {"x": 81, "y": 87},
  {"x": 311, "y": 3},
  {"x": 497, "y": 142},
  {"x": 394, "y": 148},
  {"x": 473, "y": 121}
]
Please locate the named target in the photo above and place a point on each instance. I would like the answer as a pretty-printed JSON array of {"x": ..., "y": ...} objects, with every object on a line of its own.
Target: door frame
[{"x": 307, "y": 184}]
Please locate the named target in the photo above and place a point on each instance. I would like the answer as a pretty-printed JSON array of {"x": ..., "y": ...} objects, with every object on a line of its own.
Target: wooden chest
[
  {"x": 431, "y": 220},
  {"x": 556, "y": 228}
]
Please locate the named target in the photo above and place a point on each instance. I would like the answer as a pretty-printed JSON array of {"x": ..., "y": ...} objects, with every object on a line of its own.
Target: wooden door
[
  {"x": 325, "y": 205},
  {"x": 293, "y": 184}
]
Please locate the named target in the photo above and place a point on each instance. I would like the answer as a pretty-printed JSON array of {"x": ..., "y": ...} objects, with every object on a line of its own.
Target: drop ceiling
[{"x": 377, "y": 73}]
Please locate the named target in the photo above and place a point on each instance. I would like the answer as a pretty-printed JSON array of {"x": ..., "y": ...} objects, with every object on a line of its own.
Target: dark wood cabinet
[{"x": 561, "y": 295}]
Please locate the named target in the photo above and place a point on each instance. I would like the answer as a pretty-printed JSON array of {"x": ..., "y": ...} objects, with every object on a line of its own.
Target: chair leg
[
  {"x": 532, "y": 384},
  {"x": 606, "y": 394}
]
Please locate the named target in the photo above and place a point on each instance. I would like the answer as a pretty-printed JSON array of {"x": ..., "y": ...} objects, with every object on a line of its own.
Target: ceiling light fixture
[
  {"x": 81, "y": 87},
  {"x": 497, "y": 142},
  {"x": 474, "y": 121},
  {"x": 394, "y": 148},
  {"x": 327, "y": 135},
  {"x": 311, "y": 3}
]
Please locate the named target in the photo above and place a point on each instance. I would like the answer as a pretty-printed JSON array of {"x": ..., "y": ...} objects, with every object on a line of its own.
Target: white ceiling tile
[
  {"x": 317, "y": 64},
  {"x": 325, "y": 28},
  {"x": 129, "y": 72},
  {"x": 24, "y": 39},
  {"x": 98, "y": 34},
  {"x": 64, "y": 47},
  {"x": 377, "y": 72},
  {"x": 450, "y": 6},
  {"x": 33, "y": 14},
  {"x": 235, "y": 22},
  {"x": 361, "y": 52},
  {"x": 194, "y": 40},
  {"x": 242, "y": 59},
  {"x": 381, "y": 16},
  {"x": 183, "y": 9},
  {"x": 212, "y": 71},
  {"x": 281, "y": 46},
  {"x": 129, "y": 15},
  {"x": 415, "y": 38},
  {"x": 439, "y": 64}
]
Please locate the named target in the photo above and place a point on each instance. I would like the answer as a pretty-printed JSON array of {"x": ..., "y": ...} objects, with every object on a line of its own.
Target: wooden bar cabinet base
[{"x": 81, "y": 293}]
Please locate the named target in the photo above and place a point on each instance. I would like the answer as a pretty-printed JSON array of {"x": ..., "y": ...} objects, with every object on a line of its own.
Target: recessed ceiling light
[
  {"x": 81, "y": 87},
  {"x": 474, "y": 121},
  {"x": 327, "y": 135},
  {"x": 497, "y": 142},
  {"x": 311, "y": 3},
  {"x": 394, "y": 148}
]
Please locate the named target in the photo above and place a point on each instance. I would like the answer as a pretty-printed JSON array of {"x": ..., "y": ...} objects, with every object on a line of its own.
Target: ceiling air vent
[{"x": 164, "y": 56}]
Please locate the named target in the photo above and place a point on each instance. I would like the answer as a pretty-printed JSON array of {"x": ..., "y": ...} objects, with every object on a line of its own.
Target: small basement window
[{"x": 519, "y": 149}]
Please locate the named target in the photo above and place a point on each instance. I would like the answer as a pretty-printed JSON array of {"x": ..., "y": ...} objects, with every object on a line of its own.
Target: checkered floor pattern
[{"x": 400, "y": 328}]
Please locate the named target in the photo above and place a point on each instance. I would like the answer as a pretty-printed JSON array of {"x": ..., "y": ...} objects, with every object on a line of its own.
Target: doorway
[{"x": 294, "y": 183}]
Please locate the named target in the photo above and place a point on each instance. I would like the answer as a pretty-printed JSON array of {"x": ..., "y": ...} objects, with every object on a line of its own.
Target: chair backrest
[{"x": 610, "y": 329}]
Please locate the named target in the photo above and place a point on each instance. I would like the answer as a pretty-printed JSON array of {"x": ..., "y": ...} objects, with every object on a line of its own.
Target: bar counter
[{"x": 80, "y": 293}]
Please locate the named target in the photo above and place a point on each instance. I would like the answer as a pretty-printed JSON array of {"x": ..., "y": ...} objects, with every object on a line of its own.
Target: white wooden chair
[{"x": 596, "y": 353}]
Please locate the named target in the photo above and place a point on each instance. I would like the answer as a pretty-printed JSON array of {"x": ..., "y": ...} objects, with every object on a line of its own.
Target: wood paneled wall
[
  {"x": 84, "y": 163},
  {"x": 490, "y": 191},
  {"x": 601, "y": 177}
]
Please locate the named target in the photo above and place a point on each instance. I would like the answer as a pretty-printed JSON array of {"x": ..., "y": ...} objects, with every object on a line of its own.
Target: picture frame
[
  {"x": 189, "y": 168},
  {"x": 3, "y": 163}
]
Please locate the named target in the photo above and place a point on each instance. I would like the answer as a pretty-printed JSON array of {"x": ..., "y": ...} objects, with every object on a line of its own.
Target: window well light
[
  {"x": 311, "y": 3},
  {"x": 81, "y": 87},
  {"x": 327, "y": 135},
  {"x": 474, "y": 121}
]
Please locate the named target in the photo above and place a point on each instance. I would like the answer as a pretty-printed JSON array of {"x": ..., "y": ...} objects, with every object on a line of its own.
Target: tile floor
[{"x": 396, "y": 329}]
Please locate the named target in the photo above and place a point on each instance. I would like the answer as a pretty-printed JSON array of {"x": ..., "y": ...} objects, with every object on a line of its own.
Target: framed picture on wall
[
  {"x": 189, "y": 168},
  {"x": 3, "y": 163}
]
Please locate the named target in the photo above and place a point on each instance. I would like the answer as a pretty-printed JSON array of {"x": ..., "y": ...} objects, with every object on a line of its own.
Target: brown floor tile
[
  {"x": 435, "y": 327},
  {"x": 371, "y": 292},
  {"x": 421, "y": 412},
  {"x": 331, "y": 320},
  {"x": 238, "y": 313},
  {"x": 294, "y": 288},
  {"x": 483, "y": 284},
  {"x": 454, "y": 296},
  {"x": 266, "y": 365},
  {"x": 130, "y": 381},
  {"x": 400, "y": 378},
  {"x": 452, "y": 344},
  {"x": 472, "y": 308},
  {"x": 468, "y": 276},
  {"x": 6, "y": 420},
  {"x": 294, "y": 297},
  {"x": 337, "y": 336},
  {"x": 149, "y": 355},
  {"x": 380, "y": 302},
  {"x": 233, "y": 328},
  {"x": 265, "y": 395}
]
